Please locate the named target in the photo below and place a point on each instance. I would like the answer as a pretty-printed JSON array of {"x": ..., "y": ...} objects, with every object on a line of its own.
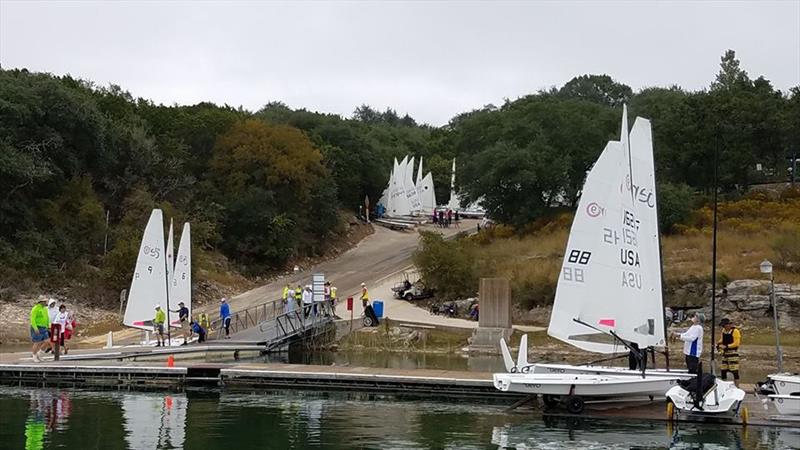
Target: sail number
[
  {"x": 612, "y": 237},
  {"x": 576, "y": 273},
  {"x": 153, "y": 252},
  {"x": 573, "y": 274},
  {"x": 578, "y": 256}
]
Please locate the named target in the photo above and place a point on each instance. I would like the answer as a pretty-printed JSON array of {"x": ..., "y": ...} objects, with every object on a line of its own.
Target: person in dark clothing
[
  {"x": 729, "y": 344},
  {"x": 183, "y": 315},
  {"x": 634, "y": 357},
  {"x": 201, "y": 332}
]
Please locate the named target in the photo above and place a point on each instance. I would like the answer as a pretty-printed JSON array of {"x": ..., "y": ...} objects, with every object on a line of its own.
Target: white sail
[
  {"x": 610, "y": 278},
  {"x": 398, "y": 204},
  {"x": 149, "y": 284},
  {"x": 427, "y": 194},
  {"x": 414, "y": 205},
  {"x": 419, "y": 173},
  {"x": 455, "y": 201},
  {"x": 181, "y": 285},
  {"x": 646, "y": 204}
]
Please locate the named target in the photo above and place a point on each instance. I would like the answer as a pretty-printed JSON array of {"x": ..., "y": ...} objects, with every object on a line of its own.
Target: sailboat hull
[
  {"x": 604, "y": 370},
  {"x": 584, "y": 385}
]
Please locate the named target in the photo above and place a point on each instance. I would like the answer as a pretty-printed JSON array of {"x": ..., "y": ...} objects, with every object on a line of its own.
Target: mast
[
  {"x": 167, "y": 262},
  {"x": 714, "y": 257},
  {"x": 661, "y": 266}
]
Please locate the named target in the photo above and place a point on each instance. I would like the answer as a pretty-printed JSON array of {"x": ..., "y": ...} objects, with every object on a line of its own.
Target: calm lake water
[{"x": 80, "y": 419}]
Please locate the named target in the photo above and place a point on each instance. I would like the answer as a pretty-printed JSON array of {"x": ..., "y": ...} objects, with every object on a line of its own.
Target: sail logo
[
  {"x": 640, "y": 193},
  {"x": 595, "y": 210}
]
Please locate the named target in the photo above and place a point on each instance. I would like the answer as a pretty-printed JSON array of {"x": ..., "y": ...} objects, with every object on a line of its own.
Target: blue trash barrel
[{"x": 377, "y": 305}]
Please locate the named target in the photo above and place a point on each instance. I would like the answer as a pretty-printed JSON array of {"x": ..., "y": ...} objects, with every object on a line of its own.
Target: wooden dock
[{"x": 442, "y": 384}]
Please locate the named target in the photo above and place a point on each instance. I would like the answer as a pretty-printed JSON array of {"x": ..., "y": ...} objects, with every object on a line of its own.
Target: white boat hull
[
  {"x": 785, "y": 384},
  {"x": 787, "y": 405},
  {"x": 725, "y": 402},
  {"x": 583, "y": 385},
  {"x": 603, "y": 370}
]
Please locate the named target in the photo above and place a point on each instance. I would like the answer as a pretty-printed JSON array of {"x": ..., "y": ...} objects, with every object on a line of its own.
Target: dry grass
[{"x": 747, "y": 235}]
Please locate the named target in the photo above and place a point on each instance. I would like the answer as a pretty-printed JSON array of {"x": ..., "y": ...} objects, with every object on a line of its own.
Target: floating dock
[{"x": 472, "y": 386}]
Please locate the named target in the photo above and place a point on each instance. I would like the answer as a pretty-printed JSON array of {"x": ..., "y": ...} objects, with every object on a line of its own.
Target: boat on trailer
[{"x": 609, "y": 293}]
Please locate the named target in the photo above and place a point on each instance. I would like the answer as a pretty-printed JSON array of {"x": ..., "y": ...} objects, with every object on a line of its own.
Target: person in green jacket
[
  {"x": 158, "y": 325},
  {"x": 40, "y": 328}
]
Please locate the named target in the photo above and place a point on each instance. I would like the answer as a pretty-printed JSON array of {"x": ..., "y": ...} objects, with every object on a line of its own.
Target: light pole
[{"x": 766, "y": 267}]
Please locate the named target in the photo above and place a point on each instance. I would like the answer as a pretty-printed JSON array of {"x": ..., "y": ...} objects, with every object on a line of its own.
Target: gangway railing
[
  {"x": 248, "y": 318},
  {"x": 276, "y": 322}
]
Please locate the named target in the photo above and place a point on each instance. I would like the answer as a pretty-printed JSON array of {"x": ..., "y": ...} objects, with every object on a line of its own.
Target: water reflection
[
  {"x": 154, "y": 421},
  {"x": 51, "y": 418},
  {"x": 48, "y": 411}
]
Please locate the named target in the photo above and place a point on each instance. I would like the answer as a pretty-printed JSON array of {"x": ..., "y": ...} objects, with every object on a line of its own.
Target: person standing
[
  {"x": 225, "y": 316},
  {"x": 326, "y": 295},
  {"x": 364, "y": 295},
  {"x": 183, "y": 316},
  {"x": 64, "y": 323},
  {"x": 308, "y": 301},
  {"x": 290, "y": 301},
  {"x": 40, "y": 328},
  {"x": 285, "y": 294},
  {"x": 298, "y": 296},
  {"x": 693, "y": 343},
  {"x": 158, "y": 325},
  {"x": 333, "y": 300},
  {"x": 204, "y": 321},
  {"x": 728, "y": 344}
]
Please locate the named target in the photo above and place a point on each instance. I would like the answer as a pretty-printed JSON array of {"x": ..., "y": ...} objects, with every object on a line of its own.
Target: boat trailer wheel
[
  {"x": 550, "y": 401},
  {"x": 574, "y": 404}
]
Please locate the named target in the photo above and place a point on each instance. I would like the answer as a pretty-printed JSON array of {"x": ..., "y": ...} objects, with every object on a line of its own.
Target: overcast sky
[{"x": 431, "y": 60}]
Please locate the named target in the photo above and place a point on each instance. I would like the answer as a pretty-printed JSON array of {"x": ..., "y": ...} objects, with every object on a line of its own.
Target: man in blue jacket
[{"x": 225, "y": 315}]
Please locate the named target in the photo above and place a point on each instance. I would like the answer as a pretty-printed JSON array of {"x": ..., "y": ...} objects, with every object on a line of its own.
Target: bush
[
  {"x": 674, "y": 205},
  {"x": 787, "y": 247},
  {"x": 449, "y": 267}
]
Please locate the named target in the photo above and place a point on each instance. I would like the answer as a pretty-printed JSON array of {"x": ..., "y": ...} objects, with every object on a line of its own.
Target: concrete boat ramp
[{"x": 458, "y": 386}]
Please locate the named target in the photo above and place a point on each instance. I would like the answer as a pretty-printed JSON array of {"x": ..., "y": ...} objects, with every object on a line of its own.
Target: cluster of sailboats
[
  {"x": 609, "y": 293},
  {"x": 405, "y": 197},
  {"x": 161, "y": 278}
]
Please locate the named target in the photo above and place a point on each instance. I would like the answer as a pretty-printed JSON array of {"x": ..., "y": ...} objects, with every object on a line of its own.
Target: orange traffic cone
[{"x": 170, "y": 361}]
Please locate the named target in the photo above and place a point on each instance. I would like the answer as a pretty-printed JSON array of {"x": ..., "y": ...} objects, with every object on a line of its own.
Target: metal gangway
[{"x": 274, "y": 324}]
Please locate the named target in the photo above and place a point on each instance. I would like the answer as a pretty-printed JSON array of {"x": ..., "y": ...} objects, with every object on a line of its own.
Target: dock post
[{"x": 494, "y": 320}]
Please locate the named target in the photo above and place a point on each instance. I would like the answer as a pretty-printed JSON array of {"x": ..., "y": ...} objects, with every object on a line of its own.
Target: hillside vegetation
[
  {"x": 81, "y": 166},
  {"x": 751, "y": 229}
]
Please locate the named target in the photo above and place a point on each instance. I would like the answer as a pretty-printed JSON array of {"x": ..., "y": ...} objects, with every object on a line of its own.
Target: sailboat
[
  {"x": 609, "y": 293},
  {"x": 158, "y": 279},
  {"x": 149, "y": 283}
]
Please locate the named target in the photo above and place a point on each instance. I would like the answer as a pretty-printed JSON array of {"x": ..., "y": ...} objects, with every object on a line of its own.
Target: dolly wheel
[
  {"x": 745, "y": 415},
  {"x": 670, "y": 411},
  {"x": 367, "y": 321},
  {"x": 574, "y": 404},
  {"x": 550, "y": 401}
]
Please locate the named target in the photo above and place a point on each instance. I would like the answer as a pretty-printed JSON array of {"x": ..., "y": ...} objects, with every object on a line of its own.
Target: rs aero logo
[{"x": 595, "y": 210}]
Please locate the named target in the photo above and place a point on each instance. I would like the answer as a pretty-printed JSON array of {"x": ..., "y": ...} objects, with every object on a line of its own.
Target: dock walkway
[{"x": 472, "y": 386}]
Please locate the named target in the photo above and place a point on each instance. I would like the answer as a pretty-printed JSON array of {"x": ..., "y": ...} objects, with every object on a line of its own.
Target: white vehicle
[
  {"x": 609, "y": 291},
  {"x": 786, "y": 396},
  {"x": 707, "y": 396}
]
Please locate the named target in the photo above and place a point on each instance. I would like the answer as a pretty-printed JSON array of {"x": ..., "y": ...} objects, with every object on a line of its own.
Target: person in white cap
[
  {"x": 158, "y": 325},
  {"x": 308, "y": 300}
]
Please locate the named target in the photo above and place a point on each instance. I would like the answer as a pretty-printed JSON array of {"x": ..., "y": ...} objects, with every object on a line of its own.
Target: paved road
[{"x": 376, "y": 257}]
